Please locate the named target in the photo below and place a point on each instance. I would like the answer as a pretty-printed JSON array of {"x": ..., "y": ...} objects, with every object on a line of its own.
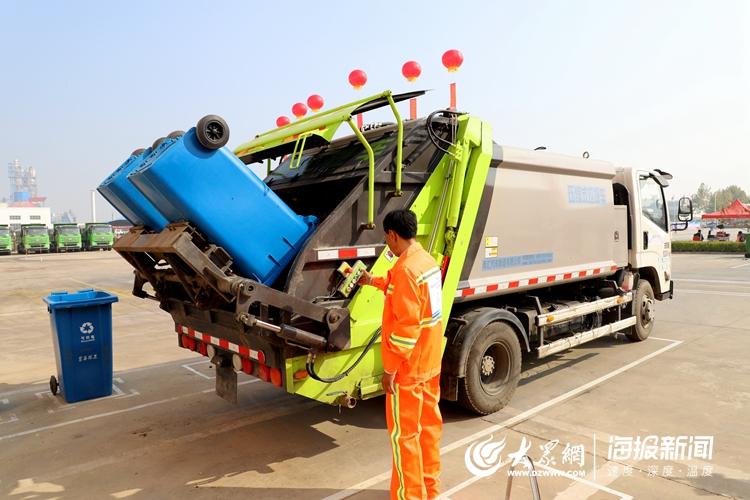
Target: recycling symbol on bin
[{"x": 87, "y": 327}]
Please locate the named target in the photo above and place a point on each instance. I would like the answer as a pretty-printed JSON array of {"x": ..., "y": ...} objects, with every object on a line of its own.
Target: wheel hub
[
  {"x": 647, "y": 310},
  {"x": 488, "y": 366}
]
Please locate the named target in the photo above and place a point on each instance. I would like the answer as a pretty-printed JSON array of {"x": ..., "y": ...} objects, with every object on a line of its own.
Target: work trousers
[{"x": 414, "y": 426}]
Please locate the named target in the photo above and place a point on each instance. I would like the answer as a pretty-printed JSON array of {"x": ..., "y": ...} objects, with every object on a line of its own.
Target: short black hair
[{"x": 403, "y": 222}]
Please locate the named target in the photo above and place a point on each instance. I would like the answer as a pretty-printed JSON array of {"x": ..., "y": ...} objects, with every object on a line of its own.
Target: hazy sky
[{"x": 650, "y": 83}]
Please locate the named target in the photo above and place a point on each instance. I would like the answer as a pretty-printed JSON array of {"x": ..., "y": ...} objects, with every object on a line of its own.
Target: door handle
[{"x": 645, "y": 240}]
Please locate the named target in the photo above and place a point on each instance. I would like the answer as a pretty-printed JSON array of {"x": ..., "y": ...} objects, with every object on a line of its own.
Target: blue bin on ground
[
  {"x": 82, "y": 334},
  {"x": 130, "y": 202},
  {"x": 228, "y": 203}
]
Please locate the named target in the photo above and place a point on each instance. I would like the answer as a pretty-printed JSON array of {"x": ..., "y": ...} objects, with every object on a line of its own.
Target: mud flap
[{"x": 226, "y": 383}]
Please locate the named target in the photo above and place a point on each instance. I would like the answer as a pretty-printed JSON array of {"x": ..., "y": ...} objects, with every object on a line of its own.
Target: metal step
[
  {"x": 583, "y": 337},
  {"x": 567, "y": 313}
]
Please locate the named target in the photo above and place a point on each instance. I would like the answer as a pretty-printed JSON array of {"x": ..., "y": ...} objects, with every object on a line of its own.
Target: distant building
[{"x": 16, "y": 216}]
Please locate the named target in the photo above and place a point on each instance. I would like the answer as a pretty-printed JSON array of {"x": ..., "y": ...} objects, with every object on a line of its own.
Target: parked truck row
[
  {"x": 538, "y": 252},
  {"x": 38, "y": 238}
]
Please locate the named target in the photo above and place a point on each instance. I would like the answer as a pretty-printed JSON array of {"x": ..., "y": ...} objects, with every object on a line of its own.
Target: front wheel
[
  {"x": 644, "y": 312},
  {"x": 493, "y": 369}
]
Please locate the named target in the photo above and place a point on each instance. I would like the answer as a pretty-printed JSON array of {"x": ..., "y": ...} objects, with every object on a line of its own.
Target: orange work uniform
[{"x": 412, "y": 347}]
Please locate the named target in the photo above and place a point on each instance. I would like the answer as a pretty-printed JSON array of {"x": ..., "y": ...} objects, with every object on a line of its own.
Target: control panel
[{"x": 351, "y": 275}]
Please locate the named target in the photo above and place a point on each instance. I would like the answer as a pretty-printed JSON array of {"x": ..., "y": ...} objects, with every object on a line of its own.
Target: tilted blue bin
[
  {"x": 228, "y": 203},
  {"x": 82, "y": 334},
  {"x": 130, "y": 202}
]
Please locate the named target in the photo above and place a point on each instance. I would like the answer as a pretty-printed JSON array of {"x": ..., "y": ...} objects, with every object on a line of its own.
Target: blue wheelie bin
[
  {"x": 81, "y": 325},
  {"x": 122, "y": 195},
  {"x": 230, "y": 205}
]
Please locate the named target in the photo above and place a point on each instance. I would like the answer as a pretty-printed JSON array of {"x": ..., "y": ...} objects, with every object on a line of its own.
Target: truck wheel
[
  {"x": 493, "y": 369},
  {"x": 644, "y": 312},
  {"x": 212, "y": 132}
]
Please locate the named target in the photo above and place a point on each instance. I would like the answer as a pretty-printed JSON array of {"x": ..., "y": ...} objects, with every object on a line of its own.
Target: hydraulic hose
[
  {"x": 436, "y": 139},
  {"x": 310, "y": 365}
]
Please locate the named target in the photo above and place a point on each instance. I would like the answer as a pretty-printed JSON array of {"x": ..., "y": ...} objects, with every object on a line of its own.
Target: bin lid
[{"x": 82, "y": 298}]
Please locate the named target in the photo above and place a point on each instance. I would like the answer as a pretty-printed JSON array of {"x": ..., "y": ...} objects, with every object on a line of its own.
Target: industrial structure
[{"x": 23, "y": 186}]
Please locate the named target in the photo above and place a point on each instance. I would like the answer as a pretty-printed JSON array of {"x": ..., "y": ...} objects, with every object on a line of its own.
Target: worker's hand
[
  {"x": 389, "y": 382},
  {"x": 365, "y": 278}
]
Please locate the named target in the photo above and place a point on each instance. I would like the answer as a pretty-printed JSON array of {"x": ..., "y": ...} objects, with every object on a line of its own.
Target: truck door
[{"x": 655, "y": 247}]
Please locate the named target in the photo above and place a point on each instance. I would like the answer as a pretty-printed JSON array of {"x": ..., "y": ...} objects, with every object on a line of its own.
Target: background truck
[
  {"x": 6, "y": 240},
  {"x": 539, "y": 252},
  {"x": 66, "y": 238},
  {"x": 33, "y": 238},
  {"x": 97, "y": 236}
]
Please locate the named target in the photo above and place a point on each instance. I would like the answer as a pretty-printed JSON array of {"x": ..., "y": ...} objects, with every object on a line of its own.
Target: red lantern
[
  {"x": 315, "y": 102},
  {"x": 452, "y": 59},
  {"x": 357, "y": 78},
  {"x": 299, "y": 110},
  {"x": 411, "y": 70},
  {"x": 282, "y": 121}
]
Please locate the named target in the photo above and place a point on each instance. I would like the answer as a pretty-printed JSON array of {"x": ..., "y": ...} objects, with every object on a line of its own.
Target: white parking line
[
  {"x": 714, "y": 292},
  {"x": 723, "y": 282},
  {"x": 189, "y": 366},
  {"x": 511, "y": 421}
]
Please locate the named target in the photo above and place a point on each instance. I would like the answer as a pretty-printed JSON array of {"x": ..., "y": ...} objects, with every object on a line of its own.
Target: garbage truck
[
  {"x": 33, "y": 238},
  {"x": 98, "y": 236},
  {"x": 6, "y": 240},
  {"x": 66, "y": 237},
  {"x": 538, "y": 252}
]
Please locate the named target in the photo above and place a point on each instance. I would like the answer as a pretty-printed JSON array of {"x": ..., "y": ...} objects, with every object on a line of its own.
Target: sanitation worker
[{"x": 411, "y": 349}]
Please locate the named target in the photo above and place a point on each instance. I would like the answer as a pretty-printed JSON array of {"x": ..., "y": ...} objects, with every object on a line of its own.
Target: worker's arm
[
  {"x": 399, "y": 343},
  {"x": 380, "y": 282}
]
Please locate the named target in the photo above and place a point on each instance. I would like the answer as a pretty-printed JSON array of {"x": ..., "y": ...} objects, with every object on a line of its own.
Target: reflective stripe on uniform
[
  {"x": 427, "y": 275},
  {"x": 403, "y": 341},
  {"x": 395, "y": 435},
  {"x": 430, "y": 322}
]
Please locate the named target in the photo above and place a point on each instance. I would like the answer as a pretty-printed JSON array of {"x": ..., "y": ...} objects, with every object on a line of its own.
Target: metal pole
[
  {"x": 93, "y": 205},
  {"x": 453, "y": 97}
]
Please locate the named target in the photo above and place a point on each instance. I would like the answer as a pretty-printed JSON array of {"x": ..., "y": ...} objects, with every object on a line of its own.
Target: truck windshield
[
  {"x": 36, "y": 231},
  {"x": 68, "y": 230},
  {"x": 102, "y": 228},
  {"x": 4, "y": 232}
]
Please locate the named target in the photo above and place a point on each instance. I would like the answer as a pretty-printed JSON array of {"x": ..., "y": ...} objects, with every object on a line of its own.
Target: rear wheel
[
  {"x": 644, "y": 312},
  {"x": 53, "y": 385},
  {"x": 493, "y": 369}
]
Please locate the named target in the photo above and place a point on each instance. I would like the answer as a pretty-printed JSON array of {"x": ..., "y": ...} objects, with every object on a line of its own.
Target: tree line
[{"x": 707, "y": 200}]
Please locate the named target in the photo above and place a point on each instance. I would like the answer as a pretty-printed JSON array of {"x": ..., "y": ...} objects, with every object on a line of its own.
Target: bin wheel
[
  {"x": 158, "y": 142},
  {"x": 53, "y": 385},
  {"x": 176, "y": 134},
  {"x": 212, "y": 132},
  {"x": 137, "y": 152}
]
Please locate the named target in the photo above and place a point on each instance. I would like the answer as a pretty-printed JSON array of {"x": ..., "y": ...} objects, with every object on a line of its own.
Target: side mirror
[{"x": 685, "y": 209}]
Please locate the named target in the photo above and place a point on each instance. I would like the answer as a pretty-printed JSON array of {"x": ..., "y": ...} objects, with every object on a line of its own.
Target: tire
[
  {"x": 176, "y": 134},
  {"x": 493, "y": 369},
  {"x": 212, "y": 132},
  {"x": 644, "y": 312},
  {"x": 54, "y": 386},
  {"x": 137, "y": 152}
]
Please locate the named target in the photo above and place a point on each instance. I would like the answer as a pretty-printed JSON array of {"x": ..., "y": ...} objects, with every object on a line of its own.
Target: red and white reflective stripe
[
  {"x": 549, "y": 278},
  {"x": 222, "y": 343},
  {"x": 346, "y": 253}
]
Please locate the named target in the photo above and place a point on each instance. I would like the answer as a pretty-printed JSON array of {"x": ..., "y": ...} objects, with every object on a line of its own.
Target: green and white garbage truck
[
  {"x": 34, "y": 238},
  {"x": 539, "y": 252},
  {"x": 6, "y": 240},
  {"x": 98, "y": 236},
  {"x": 66, "y": 238}
]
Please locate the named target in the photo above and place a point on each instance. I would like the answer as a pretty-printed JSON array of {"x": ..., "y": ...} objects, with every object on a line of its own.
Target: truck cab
[
  {"x": 34, "y": 238},
  {"x": 66, "y": 238},
  {"x": 98, "y": 236},
  {"x": 6, "y": 240}
]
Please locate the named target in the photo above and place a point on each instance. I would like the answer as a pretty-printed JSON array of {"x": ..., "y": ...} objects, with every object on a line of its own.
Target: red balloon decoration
[
  {"x": 299, "y": 110},
  {"x": 411, "y": 70},
  {"x": 357, "y": 78},
  {"x": 315, "y": 102},
  {"x": 282, "y": 121},
  {"x": 452, "y": 59}
]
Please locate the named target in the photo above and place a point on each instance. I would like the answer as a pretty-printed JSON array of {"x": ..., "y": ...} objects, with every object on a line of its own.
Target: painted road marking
[
  {"x": 740, "y": 265},
  {"x": 723, "y": 282},
  {"x": 511, "y": 421},
  {"x": 111, "y": 413},
  {"x": 189, "y": 366},
  {"x": 11, "y": 417},
  {"x": 714, "y": 292}
]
